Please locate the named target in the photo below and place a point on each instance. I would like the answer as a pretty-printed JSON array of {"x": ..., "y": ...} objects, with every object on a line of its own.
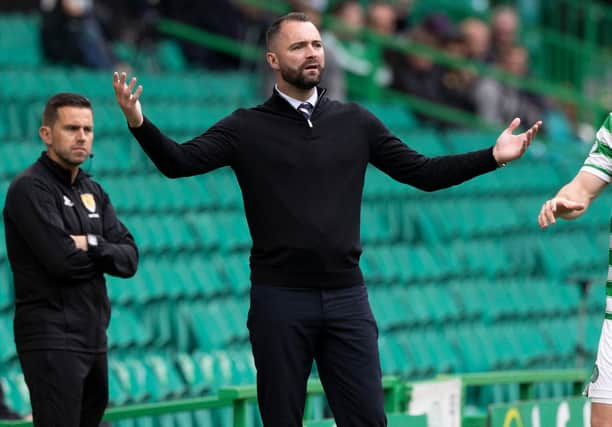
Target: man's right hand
[
  {"x": 127, "y": 99},
  {"x": 559, "y": 207}
]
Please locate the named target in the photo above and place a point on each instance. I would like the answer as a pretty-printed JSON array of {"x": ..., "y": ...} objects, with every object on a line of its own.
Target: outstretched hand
[
  {"x": 510, "y": 147},
  {"x": 558, "y": 207},
  {"x": 127, "y": 99}
]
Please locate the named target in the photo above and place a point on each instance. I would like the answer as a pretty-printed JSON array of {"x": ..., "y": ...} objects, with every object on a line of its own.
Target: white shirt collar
[{"x": 295, "y": 103}]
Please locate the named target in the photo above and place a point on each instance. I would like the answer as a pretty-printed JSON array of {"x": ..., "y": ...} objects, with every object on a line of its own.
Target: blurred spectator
[
  {"x": 71, "y": 34},
  {"x": 497, "y": 102},
  {"x": 477, "y": 36},
  {"x": 418, "y": 75},
  {"x": 504, "y": 30},
  {"x": 382, "y": 18},
  {"x": 19, "y": 5},
  {"x": 403, "y": 15},
  {"x": 130, "y": 21},
  {"x": 457, "y": 83},
  {"x": 362, "y": 61},
  {"x": 221, "y": 17},
  {"x": 307, "y": 6},
  {"x": 439, "y": 26}
]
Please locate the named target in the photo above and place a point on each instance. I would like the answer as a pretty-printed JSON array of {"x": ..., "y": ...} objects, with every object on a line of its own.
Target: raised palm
[{"x": 510, "y": 147}]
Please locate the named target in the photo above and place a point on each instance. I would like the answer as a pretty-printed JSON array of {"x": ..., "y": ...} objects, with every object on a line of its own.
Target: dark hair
[
  {"x": 62, "y": 100},
  {"x": 274, "y": 29}
]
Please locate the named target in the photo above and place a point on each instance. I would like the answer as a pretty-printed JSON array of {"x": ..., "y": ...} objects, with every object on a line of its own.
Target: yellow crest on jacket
[{"x": 88, "y": 201}]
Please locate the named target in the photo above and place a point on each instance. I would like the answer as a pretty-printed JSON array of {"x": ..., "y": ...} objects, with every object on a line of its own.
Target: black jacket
[
  {"x": 301, "y": 185},
  {"x": 60, "y": 291}
]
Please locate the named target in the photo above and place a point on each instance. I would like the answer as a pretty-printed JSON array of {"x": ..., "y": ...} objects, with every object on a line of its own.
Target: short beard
[{"x": 299, "y": 80}]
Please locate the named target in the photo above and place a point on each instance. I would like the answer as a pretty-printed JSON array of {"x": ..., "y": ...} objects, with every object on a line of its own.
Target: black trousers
[
  {"x": 67, "y": 389},
  {"x": 289, "y": 328}
]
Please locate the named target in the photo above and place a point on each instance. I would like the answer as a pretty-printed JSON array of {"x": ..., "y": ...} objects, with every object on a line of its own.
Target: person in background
[
  {"x": 71, "y": 34},
  {"x": 505, "y": 24},
  {"x": 497, "y": 101},
  {"x": 359, "y": 58},
  {"x": 62, "y": 236},
  {"x": 477, "y": 36}
]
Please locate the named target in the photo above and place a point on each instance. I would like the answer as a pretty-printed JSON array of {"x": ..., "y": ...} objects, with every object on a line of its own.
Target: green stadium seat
[
  {"x": 118, "y": 395},
  {"x": 592, "y": 332},
  {"x": 236, "y": 272},
  {"x": 473, "y": 354},
  {"x": 425, "y": 141},
  {"x": 460, "y": 141},
  {"x": 7, "y": 299},
  {"x": 396, "y": 117},
  {"x": 205, "y": 333},
  {"x": 441, "y": 353},
  {"x": 379, "y": 186},
  {"x": 206, "y": 226},
  {"x": 233, "y": 227},
  {"x": 159, "y": 319},
  {"x": 17, "y": 395},
  {"x": 466, "y": 295},
  {"x": 388, "y": 307},
  {"x": 126, "y": 330},
  {"x": 417, "y": 352},
  {"x": 161, "y": 233},
  {"x": 596, "y": 298},
  {"x": 393, "y": 358},
  {"x": 131, "y": 376},
  {"x": 379, "y": 223},
  {"x": 153, "y": 379},
  {"x": 170, "y": 56},
  {"x": 168, "y": 381},
  {"x": 15, "y": 157},
  {"x": 441, "y": 306},
  {"x": 409, "y": 232},
  {"x": 394, "y": 420},
  {"x": 207, "y": 276},
  {"x": 8, "y": 351},
  {"x": 196, "y": 372}
]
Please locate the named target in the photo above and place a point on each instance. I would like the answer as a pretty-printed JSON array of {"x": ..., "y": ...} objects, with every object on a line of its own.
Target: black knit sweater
[{"x": 302, "y": 186}]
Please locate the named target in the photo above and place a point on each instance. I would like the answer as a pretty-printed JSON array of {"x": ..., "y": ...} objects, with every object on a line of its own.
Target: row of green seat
[
  {"x": 155, "y": 377},
  {"x": 400, "y": 307},
  {"x": 220, "y": 323},
  {"x": 563, "y": 256},
  {"x": 19, "y": 41},
  {"x": 184, "y": 272},
  {"x": 193, "y": 86},
  {"x": 479, "y": 347}
]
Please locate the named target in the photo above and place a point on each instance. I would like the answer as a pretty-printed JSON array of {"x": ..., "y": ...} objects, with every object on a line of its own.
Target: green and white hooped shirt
[{"x": 599, "y": 163}]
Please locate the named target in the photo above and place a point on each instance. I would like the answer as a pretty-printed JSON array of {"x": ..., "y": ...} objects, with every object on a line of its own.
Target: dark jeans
[
  {"x": 67, "y": 389},
  {"x": 291, "y": 327}
]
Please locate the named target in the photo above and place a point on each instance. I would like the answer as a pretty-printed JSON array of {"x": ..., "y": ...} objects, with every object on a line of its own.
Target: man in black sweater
[
  {"x": 62, "y": 235},
  {"x": 301, "y": 170}
]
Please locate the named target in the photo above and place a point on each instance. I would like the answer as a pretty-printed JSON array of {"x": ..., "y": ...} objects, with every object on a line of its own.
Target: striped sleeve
[{"x": 599, "y": 161}]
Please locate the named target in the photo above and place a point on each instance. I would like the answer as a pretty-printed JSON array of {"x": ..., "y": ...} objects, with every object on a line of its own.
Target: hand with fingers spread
[
  {"x": 127, "y": 99},
  {"x": 510, "y": 147},
  {"x": 558, "y": 207}
]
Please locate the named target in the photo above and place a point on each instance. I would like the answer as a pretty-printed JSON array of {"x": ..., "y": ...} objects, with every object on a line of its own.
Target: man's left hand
[{"x": 510, "y": 147}]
